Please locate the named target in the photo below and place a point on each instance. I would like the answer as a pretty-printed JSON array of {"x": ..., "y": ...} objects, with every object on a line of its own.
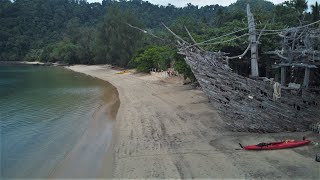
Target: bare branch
[
  {"x": 261, "y": 32},
  {"x": 276, "y": 52},
  {"x": 174, "y": 34},
  {"x": 204, "y": 42},
  {"x": 193, "y": 39},
  {"x": 241, "y": 55},
  {"x": 144, "y": 31}
]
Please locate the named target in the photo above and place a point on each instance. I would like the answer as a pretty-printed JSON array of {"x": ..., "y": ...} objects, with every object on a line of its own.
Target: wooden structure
[
  {"x": 299, "y": 50},
  {"x": 253, "y": 42},
  {"x": 247, "y": 104},
  {"x": 258, "y": 104}
]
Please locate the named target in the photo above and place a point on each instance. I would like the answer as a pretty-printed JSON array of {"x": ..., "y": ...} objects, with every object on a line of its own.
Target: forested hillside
[{"x": 74, "y": 31}]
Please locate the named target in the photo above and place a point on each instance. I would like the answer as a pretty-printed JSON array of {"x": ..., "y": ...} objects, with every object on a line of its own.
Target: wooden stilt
[
  {"x": 306, "y": 77},
  {"x": 283, "y": 76}
]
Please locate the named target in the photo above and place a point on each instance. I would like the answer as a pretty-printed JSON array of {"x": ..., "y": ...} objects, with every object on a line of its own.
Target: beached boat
[
  {"x": 260, "y": 104},
  {"x": 277, "y": 145},
  {"x": 249, "y": 104}
]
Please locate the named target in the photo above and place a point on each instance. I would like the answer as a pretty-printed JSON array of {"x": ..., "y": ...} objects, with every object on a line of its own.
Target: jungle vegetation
[{"x": 78, "y": 32}]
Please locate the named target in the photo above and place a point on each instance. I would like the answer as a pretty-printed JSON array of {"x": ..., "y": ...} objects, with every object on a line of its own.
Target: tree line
[{"x": 75, "y": 31}]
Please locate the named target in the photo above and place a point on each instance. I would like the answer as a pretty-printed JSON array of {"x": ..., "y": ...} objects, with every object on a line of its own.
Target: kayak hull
[{"x": 278, "y": 145}]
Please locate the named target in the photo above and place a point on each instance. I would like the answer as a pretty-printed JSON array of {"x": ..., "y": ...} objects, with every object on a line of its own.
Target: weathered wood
[
  {"x": 241, "y": 55},
  {"x": 306, "y": 77},
  {"x": 193, "y": 40},
  {"x": 246, "y": 104},
  {"x": 144, "y": 31},
  {"x": 294, "y": 64},
  {"x": 253, "y": 42},
  {"x": 283, "y": 76},
  {"x": 298, "y": 45},
  {"x": 245, "y": 52},
  {"x": 174, "y": 34},
  {"x": 299, "y": 50}
]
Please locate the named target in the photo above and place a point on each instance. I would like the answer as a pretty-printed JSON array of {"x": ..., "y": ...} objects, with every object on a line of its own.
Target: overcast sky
[{"x": 181, "y": 3}]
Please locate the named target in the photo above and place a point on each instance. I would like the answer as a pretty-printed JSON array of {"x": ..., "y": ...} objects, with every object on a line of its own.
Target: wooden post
[
  {"x": 227, "y": 60},
  {"x": 306, "y": 77},
  {"x": 253, "y": 42},
  {"x": 276, "y": 77},
  {"x": 283, "y": 76}
]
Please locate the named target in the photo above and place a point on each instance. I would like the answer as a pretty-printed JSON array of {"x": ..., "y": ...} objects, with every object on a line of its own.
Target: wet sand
[
  {"x": 164, "y": 129},
  {"x": 87, "y": 159}
]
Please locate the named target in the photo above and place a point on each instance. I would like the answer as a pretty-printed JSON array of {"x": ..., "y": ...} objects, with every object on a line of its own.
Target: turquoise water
[{"x": 44, "y": 111}]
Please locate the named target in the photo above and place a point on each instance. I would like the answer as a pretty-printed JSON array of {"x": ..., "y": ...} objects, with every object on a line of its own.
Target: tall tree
[
  {"x": 116, "y": 41},
  {"x": 315, "y": 12},
  {"x": 300, "y": 5}
]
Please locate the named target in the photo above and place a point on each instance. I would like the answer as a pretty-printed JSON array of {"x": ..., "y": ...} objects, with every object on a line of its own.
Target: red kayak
[{"x": 277, "y": 145}]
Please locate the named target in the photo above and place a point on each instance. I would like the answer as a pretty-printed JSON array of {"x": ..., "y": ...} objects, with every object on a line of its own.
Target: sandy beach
[{"x": 164, "y": 129}]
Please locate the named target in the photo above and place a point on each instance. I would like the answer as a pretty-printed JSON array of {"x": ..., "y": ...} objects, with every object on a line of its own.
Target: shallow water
[{"x": 46, "y": 114}]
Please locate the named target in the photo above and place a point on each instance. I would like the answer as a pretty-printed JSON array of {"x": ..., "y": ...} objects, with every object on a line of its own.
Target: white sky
[{"x": 181, "y": 3}]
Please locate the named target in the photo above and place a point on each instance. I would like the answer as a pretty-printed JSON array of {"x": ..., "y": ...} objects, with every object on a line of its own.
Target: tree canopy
[{"x": 75, "y": 31}]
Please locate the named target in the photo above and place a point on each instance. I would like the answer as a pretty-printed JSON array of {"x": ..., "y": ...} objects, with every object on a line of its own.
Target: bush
[
  {"x": 153, "y": 57},
  {"x": 33, "y": 55},
  {"x": 63, "y": 51},
  {"x": 183, "y": 68}
]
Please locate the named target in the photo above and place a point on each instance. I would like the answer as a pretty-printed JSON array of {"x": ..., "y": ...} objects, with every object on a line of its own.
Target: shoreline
[
  {"x": 166, "y": 130},
  {"x": 29, "y": 63},
  {"x": 88, "y": 157}
]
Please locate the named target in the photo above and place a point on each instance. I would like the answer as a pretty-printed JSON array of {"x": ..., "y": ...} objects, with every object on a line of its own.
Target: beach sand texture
[{"x": 168, "y": 130}]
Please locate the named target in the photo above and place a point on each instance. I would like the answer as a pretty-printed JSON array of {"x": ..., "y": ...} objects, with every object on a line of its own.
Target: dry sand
[{"x": 167, "y": 130}]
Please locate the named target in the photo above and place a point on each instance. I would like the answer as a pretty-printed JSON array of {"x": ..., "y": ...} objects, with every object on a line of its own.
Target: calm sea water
[{"x": 44, "y": 111}]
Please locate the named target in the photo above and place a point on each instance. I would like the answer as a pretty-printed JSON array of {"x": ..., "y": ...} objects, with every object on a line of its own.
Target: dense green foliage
[
  {"x": 116, "y": 41},
  {"x": 315, "y": 11},
  {"x": 158, "y": 57},
  {"x": 33, "y": 24},
  {"x": 184, "y": 69},
  {"x": 74, "y": 31}
]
